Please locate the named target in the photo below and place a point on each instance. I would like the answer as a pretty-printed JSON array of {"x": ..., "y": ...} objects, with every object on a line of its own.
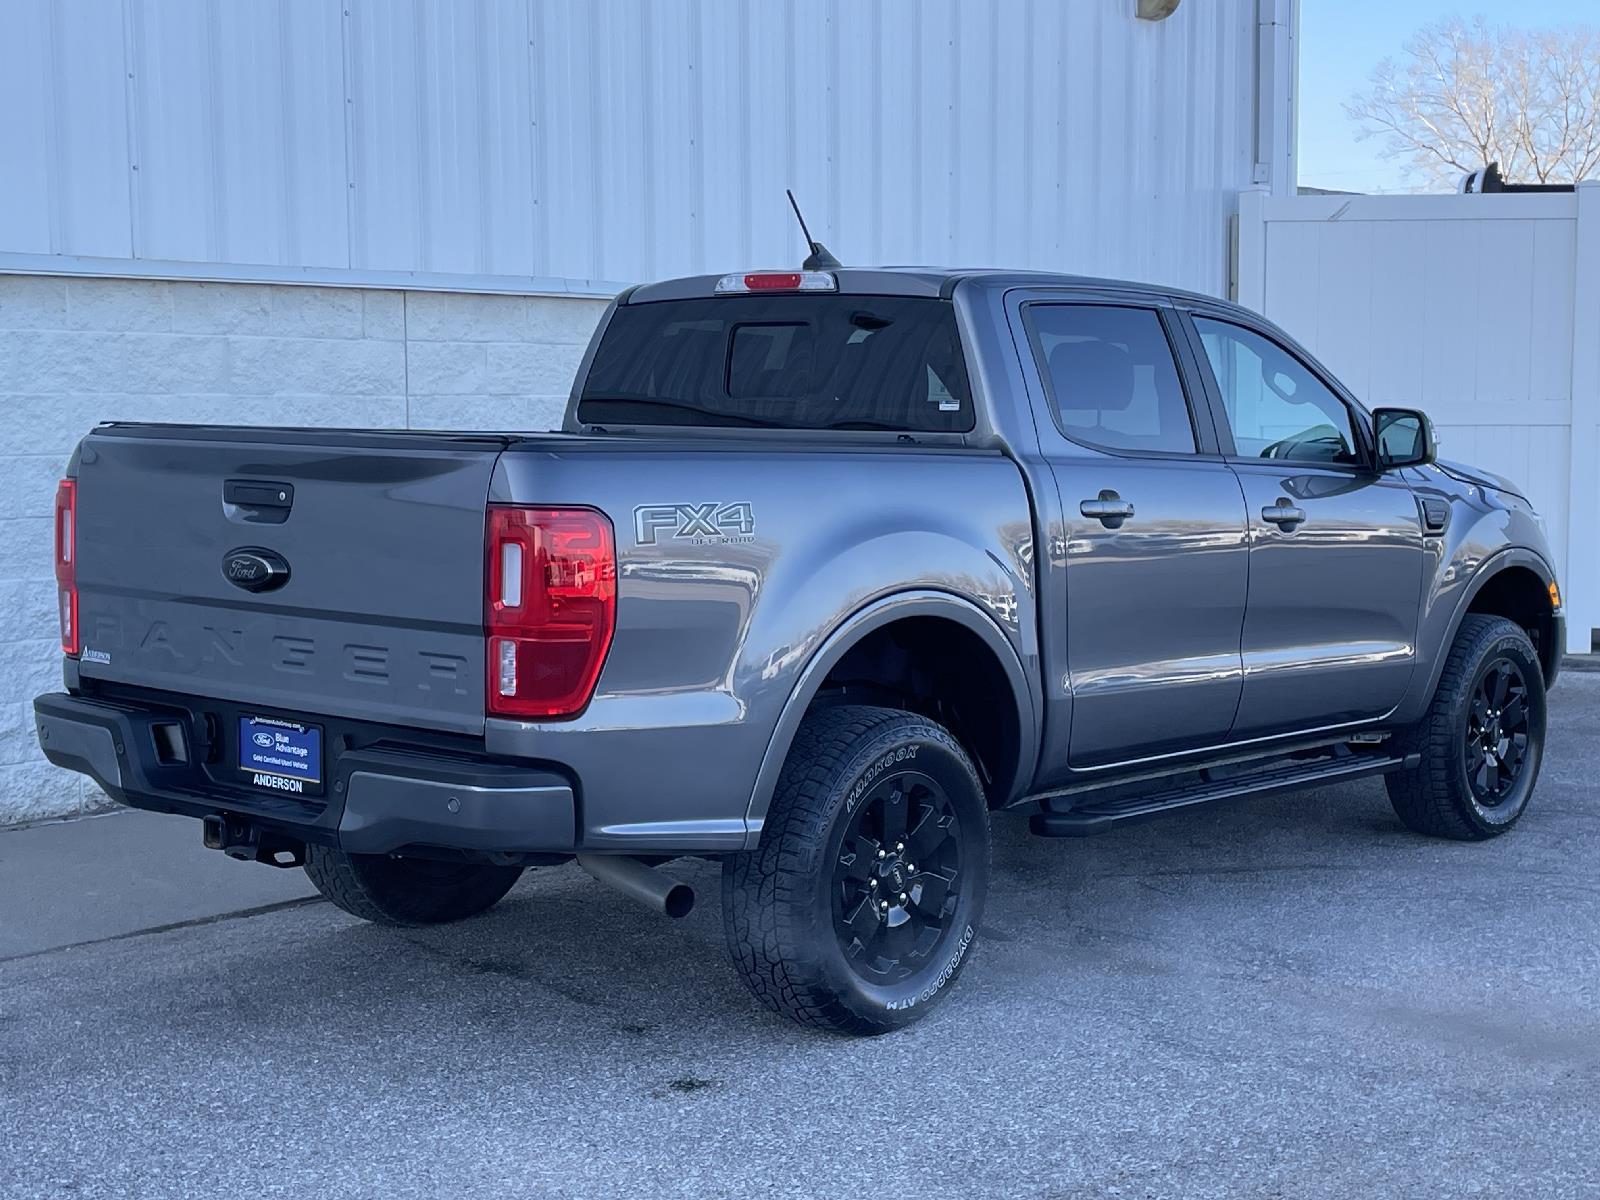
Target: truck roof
[{"x": 918, "y": 281}]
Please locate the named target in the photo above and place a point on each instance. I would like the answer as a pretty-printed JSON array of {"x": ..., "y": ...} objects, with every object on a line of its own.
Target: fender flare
[
  {"x": 1500, "y": 560},
  {"x": 839, "y": 641}
]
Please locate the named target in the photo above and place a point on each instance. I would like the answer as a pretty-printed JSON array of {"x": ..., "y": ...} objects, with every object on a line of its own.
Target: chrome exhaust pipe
[{"x": 644, "y": 883}]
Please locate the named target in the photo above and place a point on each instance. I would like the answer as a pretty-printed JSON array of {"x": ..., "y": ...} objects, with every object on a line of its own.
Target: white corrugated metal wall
[
  {"x": 1482, "y": 310},
  {"x": 574, "y": 145}
]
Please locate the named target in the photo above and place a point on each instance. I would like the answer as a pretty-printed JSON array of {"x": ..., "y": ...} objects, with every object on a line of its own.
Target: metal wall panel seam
[
  {"x": 697, "y": 148},
  {"x": 131, "y": 123},
  {"x": 217, "y": 241},
  {"x": 288, "y": 226},
  {"x": 648, "y": 249},
  {"x": 746, "y": 200},
  {"x": 538, "y": 148},
  {"x": 483, "y": 243},
  {"x": 422, "y": 241},
  {"x": 347, "y": 50},
  {"x": 58, "y": 142},
  {"x": 596, "y": 223}
]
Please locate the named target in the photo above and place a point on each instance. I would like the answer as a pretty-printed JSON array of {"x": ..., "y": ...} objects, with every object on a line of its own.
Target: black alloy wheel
[
  {"x": 897, "y": 877},
  {"x": 1499, "y": 731}
]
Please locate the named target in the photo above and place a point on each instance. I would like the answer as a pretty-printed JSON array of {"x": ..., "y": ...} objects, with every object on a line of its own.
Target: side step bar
[{"x": 1099, "y": 816}]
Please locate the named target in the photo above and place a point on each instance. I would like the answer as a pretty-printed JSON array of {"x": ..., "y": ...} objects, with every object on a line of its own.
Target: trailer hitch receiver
[{"x": 239, "y": 838}]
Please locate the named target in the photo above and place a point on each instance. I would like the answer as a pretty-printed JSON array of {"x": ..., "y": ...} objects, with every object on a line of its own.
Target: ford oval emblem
[{"x": 255, "y": 569}]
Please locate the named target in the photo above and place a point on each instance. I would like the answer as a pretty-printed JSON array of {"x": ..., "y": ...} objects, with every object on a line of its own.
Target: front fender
[{"x": 1457, "y": 581}]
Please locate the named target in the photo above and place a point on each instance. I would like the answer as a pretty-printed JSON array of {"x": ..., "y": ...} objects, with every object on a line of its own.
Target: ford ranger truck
[{"x": 824, "y": 572}]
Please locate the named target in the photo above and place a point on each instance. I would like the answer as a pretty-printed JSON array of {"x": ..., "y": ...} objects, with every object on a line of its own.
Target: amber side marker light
[{"x": 1555, "y": 595}]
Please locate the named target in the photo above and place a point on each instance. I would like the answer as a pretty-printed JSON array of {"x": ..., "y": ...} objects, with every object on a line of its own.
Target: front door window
[{"x": 1276, "y": 407}]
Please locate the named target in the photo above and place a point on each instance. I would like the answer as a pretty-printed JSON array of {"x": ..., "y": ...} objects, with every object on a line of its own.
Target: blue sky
[{"x": 1342, "y": 40}]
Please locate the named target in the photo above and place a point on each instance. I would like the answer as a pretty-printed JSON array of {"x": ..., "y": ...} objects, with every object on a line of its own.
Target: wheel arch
[
  {"x": 1514, "y": 576},
  {"x": 876, "y": 618},
  {"x": 1521, "y": 594}
]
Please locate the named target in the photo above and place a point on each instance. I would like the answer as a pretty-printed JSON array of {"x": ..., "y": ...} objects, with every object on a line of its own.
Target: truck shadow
[
  {"x": 570, "y": 950},
  {"x": 1179, "y": 904}
]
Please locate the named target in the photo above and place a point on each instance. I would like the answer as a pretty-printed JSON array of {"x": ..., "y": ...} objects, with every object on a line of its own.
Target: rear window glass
[{"x": 798, "y": 362}]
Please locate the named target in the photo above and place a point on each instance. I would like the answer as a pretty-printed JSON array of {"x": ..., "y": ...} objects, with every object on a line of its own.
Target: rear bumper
[{"x": 375, "y": 800}]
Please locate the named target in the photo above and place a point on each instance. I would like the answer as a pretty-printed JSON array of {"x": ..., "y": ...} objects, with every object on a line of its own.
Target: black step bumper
[{"x": 377, "y": 799}]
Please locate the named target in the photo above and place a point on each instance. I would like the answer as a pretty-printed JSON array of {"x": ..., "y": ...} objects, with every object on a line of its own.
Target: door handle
[
  {"x": 1110, "y": 509},
  {"x": 1283, "y": 514}
]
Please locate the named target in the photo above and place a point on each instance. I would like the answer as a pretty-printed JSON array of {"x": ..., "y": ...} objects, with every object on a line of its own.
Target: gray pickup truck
[{"x": 825, "y": 568}]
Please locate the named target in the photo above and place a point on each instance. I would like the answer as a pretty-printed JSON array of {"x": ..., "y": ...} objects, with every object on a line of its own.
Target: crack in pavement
[{"x": 260, "y": 910}]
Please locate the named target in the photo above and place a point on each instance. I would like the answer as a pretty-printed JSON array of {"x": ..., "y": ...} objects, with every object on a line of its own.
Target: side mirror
[{"x": 1404, "y": 437}]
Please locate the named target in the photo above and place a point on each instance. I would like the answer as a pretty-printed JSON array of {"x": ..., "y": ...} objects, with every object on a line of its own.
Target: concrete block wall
[{"x": 76, "y": 351}]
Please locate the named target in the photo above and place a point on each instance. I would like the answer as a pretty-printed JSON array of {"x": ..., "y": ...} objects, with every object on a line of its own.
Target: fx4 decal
[{"x": 700, "y": 523}]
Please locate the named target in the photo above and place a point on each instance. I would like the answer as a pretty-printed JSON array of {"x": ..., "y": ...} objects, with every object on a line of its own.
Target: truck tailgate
[{"x": 381, "y": 614}]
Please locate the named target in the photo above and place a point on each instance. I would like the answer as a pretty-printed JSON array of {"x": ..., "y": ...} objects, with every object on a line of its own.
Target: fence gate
[{"x": 1484, "y": 310}]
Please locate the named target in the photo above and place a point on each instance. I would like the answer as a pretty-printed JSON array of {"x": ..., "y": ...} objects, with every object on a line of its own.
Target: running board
[{"x": 1099, "y": 816}]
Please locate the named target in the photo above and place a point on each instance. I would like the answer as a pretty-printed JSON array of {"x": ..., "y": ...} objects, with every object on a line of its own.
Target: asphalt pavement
[{"x": 1286, "y": 997}]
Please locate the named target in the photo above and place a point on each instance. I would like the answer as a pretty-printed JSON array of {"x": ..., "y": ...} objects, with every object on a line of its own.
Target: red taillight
[
  {"x": 550, "y": 606},
  {"x": 67, "y": 563}
]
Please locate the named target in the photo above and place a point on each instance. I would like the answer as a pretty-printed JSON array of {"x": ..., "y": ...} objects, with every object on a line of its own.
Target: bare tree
[{"x": 1465, "y": 95}]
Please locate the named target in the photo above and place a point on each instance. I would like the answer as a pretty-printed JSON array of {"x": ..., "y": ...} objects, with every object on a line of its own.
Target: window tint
[
  {"x": 1113, "y": 381},
  {"x": 799, "y": 362},
  {"x": 768, "y": 360},
  {"x": 1276, "y": 407}
]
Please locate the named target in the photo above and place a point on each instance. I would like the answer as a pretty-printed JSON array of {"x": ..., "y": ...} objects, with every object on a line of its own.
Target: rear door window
[
  {"x": 1112, "y": 378},
  {"x": 800, "y": 362}
]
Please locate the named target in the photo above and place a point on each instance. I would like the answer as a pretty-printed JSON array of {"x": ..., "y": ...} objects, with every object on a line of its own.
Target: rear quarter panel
[{"x": 714, "y": 630}]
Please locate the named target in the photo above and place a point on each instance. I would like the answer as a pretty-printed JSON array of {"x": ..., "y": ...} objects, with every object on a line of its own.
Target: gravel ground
[{"x": 1284, "y": 997}]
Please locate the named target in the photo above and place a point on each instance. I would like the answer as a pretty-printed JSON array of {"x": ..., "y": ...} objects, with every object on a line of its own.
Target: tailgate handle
[{"x": 257, "y": 500}]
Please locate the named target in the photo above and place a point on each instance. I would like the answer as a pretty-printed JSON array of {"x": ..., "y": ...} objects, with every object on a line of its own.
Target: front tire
[
  {"x": 860, "y": 905},
  {"x": 406, "y": 891},
  {"x": 1481, "y": 741}
]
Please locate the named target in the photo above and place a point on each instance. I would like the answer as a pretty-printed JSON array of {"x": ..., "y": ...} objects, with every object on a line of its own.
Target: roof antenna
[{"x": 819, "y": 259}]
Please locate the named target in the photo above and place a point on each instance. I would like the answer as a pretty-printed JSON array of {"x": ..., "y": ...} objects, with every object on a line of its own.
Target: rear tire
[
  {"x": 859, "y": 907},
  {"x": 406, "y": 891},
  {"x": 1481, "y": 741}
]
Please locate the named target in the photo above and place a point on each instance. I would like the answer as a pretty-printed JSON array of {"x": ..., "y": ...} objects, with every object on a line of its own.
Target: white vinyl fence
[{"x": 1483, "y": 310}]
